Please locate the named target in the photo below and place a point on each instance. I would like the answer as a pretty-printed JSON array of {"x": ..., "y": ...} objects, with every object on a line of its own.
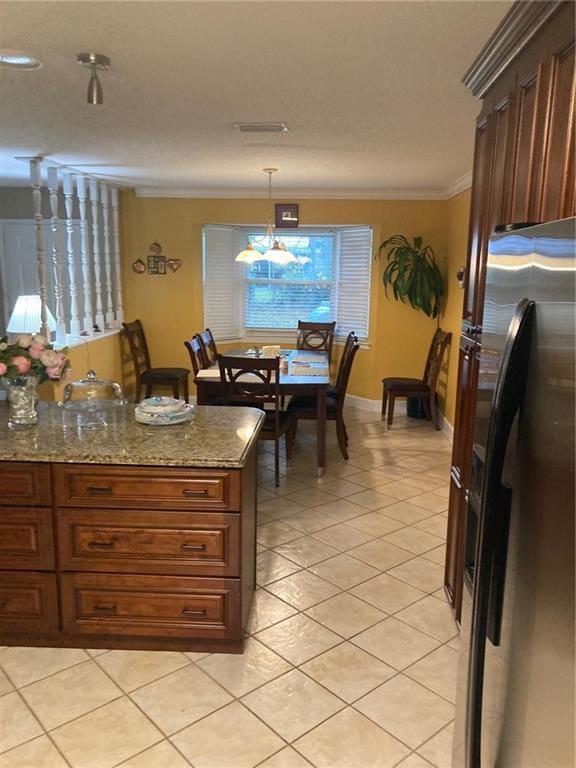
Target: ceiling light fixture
[
  {"x": 277, "y": 251},
  {"x": 261, "y": 127},
  {"x": 18, "y": 60},
  {"x": 95, "y": 61}
]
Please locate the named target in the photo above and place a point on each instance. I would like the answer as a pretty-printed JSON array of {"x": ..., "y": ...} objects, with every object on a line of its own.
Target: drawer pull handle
[
  {"x": 191, "y": 492},
  {"x": 102, "y": 544},
  {"x": 104, "y": 609},
  {"x": 194, "y": 547},
  {"x": 99, "y": 488},
  {"x": 190, "y": 612}
]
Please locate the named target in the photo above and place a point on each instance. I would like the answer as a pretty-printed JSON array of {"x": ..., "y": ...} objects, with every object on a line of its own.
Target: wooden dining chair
[
  {"x": 305, "y": 407},
  {"x": 256, "y": 383},
  {"x": 350, "y": 340},
  {"x": 195, "y": 351},
  {"x": 146, "y": 375},
  {"x": 208, "y": 348},
  {"x": 316, "y": 336},
  {"x": 423, "y": 389}
]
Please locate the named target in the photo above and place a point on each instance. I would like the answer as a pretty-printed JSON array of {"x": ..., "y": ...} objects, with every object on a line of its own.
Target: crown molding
[
  {"x": 458, "y": 185},
  {"x": 511, "y": 36}
]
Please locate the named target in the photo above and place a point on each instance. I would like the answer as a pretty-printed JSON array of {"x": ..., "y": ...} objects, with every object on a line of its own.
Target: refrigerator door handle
[{"x": 494, "y": 517}]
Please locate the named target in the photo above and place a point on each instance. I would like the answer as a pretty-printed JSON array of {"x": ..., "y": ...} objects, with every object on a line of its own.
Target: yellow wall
[{"x": 171, "y": 306}]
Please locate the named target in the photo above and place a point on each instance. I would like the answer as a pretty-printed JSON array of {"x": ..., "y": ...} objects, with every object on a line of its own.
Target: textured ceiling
[{"x": 371, "y": 91}]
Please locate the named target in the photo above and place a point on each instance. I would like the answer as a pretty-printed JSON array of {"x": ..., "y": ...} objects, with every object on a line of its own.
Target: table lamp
[{"x": 26, "y": 316}]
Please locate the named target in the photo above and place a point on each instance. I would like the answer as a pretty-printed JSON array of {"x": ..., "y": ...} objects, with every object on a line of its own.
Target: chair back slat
[
  {"x": 134, "y": 332},
  {"x": 256, "y": 382},
  {"x": 344, "y": 371},
  {"x": 195, "y": 352},
  {"x": 316, "y": 336},
  {"x": 208, "y": 348},
  {"x": 438, "y": 346},
  {"x": 350, "y": 339}
]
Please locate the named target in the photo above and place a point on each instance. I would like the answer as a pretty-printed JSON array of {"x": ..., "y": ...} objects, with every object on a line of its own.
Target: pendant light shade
[
  {"x": 95, "y": 61},
  {"x": 277, "y": 253}
]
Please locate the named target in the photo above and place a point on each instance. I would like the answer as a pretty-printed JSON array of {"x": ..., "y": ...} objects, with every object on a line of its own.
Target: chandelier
[{"x": 277, "y": 252}]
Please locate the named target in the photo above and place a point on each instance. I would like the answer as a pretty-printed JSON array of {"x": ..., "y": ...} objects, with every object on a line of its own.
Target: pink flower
[
  {"x": 55, "y": 371},
  {"x": 22, "y": 364},
  {"x": 36, "y": 350},
  {"x": 3, "y": 369},
  {"x": 49, "y": 358}
]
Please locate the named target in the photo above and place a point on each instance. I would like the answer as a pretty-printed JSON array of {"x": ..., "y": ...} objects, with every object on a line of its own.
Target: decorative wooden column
[
  {"x": 36, "y": 180},
  {"x": 107, "y": 258},
  {"x": 117, "y": 265},
  {"x": 68, "y": 187},
  {"x": 94, "y": 199},
  {"x": 88, "y": 320},
  {"x": 53, "y": 187}
]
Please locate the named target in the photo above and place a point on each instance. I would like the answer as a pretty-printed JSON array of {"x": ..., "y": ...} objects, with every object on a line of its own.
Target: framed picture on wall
[
  {"x": 156, "y": 265},
  {"x": 286, "y": 215}
]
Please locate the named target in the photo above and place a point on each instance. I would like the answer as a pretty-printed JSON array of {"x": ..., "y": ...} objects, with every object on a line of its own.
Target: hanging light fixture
[
  {"x": 277, "y": 252},
  {"x": 95, "y": 61}
]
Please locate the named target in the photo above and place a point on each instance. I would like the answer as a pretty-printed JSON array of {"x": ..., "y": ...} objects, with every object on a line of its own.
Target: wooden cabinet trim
[
  {"x": 28, "y": 603},
  {"x": 25, "y": 484},
  {"x": 26, "y": 539}
]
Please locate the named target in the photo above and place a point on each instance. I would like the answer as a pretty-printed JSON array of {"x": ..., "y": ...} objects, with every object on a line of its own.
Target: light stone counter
[{"x": 215, "y": 437}]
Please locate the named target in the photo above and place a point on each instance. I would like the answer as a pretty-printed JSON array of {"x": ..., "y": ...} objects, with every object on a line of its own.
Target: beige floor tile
[
  {"x": 380, "y": 554},
  {"x": 194, "y": 656},
  {"x": 345, "y": 614},
  {"x": 168, "y": 701},
  {"x": 350, "y": 740},
  {"x": 309, "y": 521},
  {"x": 414, "y": 761},
  {"x": 341, "y": 488},
  {"x": 437, "y": 671},
  {"x": 267, "y": 610},
  {"x": 162, "y": 755},
  {"x": 399, "y": 489},
  {"x": 312, "y": 497},
  {"x": 263, "y": 519},
  {"x": 275, "y": 533},
  {"x": 107, "y": 736},
  {"x": 38, "y": 753},
  {"x": 431, "y": 616},
  {"x": 292, "y": 704},
  {"x": 241, "y": 673},
  {"x": 371, "y": 499},
  {"x": 86, "y": 687},
  {"x": 5, "y": 684},
  {"x": 420, "y": 573},
  {"x": 26, "y": 665},
  {"x": 387, "y": 593},
  {"x": 437, "y": 555},
  {"x": 287, "y": 485},
  {"x": 264, "y": 494},
  {"x": 303, "y": 589},
  {"x": 406, "y": 512},
  {"x": 440, "y": 473},
  {"x": 18, "y": 723},
  {"x": 439, "y": 749},
  {"x": 306, "y": 550},
  {"x": 133, "y": 669},
  {"x": 405, "y": 709},
  {"x": 286, "y": 758},
  {"x": 279, "y": 507},
  {"x": 344, "y": 571},
  {"x": 395, "y": 643},
  {"x": 425, "y": 482},
  {"x": 375, "y": 524},
  {"x": 93, "y": 652},
  {"x": 343, "y": 536},
  {"x": 341, "y": 510},
  {"x": 413, "y": 539},
  {"x": 437, "y": 525},
  {"x": 270, "y": 566},
  {"x": 230, "y": 737},
  {"x": 343, "y": 469},
  {"x": 298, "y": 639},
  {"x": 348, "y": 671}
]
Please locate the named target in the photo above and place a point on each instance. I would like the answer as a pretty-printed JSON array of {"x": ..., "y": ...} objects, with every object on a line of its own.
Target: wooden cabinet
[
  {"x": 524, "y": 172},
  {"x": 126, "y": 557}
]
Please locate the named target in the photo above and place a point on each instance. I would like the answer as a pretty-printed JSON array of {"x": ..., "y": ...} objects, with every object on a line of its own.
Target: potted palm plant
[{"x": 412, "y": 273}]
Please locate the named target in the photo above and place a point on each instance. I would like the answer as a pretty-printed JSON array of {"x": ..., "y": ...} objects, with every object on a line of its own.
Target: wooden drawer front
[
  {"x": 186, "y": 543},
  {"x": 84, "y": 486},
  {"x": 166, "y": 606},
  {"x": 24, "y": 483},
  {"x": 28, "y": 602},
  {"x": 26, "y": 539}
]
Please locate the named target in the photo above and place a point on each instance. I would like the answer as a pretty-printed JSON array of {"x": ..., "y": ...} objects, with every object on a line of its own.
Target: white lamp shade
[{"x": 26, "y": 316}]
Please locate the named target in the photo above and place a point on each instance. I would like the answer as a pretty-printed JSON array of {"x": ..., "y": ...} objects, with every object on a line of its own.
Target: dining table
[{"x": 302, "y": 372}]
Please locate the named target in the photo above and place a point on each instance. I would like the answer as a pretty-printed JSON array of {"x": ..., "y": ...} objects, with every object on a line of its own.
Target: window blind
[
  {"x": 354, "y": 267},
  {"x": 222, "y": 281}
]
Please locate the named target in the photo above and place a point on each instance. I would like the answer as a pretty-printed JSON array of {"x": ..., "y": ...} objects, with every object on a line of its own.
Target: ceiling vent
[{"x": 261, "y": 127}]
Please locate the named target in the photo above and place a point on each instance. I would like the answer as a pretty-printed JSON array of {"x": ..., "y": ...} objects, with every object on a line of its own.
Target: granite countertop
[{"x": 215, "y": 437}]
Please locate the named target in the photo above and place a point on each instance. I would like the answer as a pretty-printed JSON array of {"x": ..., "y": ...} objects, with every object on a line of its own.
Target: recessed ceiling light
[
  {"x": 261, "y": 127},
  {"x": 18, "y": 60}
]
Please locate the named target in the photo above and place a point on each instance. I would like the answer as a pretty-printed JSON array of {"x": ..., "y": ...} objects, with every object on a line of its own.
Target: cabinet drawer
[
  {"x": 24, "y": 483},
  {"x": 165, "y": 606},
  {"x": 28, "y": 602},
  {"x": 186, "y": 543},
  {"x": 26, "y": 539},
  {"x": 143, "y": 488}
]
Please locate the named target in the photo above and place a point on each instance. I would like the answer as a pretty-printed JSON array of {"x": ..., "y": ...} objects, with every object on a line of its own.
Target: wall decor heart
[{"x": 174, "y": 264}]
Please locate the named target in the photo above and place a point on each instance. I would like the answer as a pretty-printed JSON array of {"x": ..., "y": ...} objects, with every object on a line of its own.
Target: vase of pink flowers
[{"x": 24, "y": 364}]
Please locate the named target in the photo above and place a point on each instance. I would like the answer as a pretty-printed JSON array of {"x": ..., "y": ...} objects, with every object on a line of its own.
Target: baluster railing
[
  {"x": 88, "y": 320},
  {"x": 68, "y": 187},
  {"x": 107, "y": 256},
  {"x": 53, "y": 188},
  {"x": 117, "y": 264},
  {"x": 36, "y": 181}
]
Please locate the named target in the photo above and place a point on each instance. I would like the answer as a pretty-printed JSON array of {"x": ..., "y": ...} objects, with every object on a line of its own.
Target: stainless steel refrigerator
[{"x": 515, "y": 698}]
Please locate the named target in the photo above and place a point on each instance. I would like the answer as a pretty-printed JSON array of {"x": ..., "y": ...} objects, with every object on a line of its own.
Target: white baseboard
[{"x": 447, "y": 428}]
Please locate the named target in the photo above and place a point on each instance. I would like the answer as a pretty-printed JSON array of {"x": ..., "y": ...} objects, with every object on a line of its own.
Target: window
[{"x": 330, "y": 281}]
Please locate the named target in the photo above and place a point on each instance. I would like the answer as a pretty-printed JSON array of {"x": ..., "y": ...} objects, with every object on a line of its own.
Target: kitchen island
[{"x": 115, "y": 534}]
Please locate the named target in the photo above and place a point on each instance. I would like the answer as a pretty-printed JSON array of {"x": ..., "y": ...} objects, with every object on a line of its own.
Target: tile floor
[{"x": 351, "y": 658}]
